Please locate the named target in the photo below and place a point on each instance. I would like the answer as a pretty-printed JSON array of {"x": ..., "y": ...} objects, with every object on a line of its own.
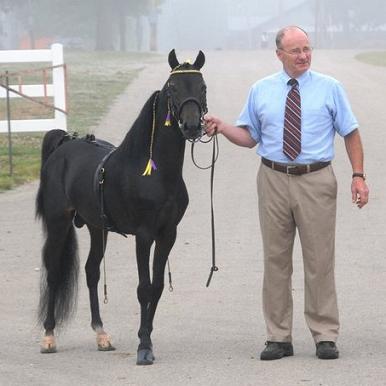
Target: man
[{"x": 293, "y": 116}]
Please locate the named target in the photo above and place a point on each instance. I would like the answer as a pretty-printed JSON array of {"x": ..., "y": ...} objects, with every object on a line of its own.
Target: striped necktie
[{"x": 292, "y": 122}]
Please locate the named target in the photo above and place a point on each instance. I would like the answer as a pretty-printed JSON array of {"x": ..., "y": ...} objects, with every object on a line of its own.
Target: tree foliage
[
  {"x": 98, "y": 20},
  {"x": 355, "y": 14}
]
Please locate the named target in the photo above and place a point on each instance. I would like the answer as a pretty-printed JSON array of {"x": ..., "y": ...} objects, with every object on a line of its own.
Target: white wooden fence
[{"x": 57, "y": 89}]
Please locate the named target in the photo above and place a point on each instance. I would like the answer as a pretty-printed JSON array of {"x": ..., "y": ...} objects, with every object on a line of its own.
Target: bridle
[
  {"x": 203, "y": 108},
  {"x": 175, "y": 107}
]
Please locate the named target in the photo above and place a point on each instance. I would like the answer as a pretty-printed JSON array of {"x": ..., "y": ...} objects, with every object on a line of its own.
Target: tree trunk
[
  {"x": 104, "y": 29},
  {"x": 153, "y": 37},
  {"x": 122, "y": 32},
  {"x": 139, "y": 33}
]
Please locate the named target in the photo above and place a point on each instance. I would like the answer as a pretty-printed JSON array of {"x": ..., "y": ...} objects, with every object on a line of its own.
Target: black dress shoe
[
  {"x": 276, "y": 350},
  {"x": 327, "y": 350}
]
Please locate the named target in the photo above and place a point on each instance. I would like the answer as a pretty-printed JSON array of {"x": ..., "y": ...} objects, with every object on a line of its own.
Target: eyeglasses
[{"x": 297, "y": 51}]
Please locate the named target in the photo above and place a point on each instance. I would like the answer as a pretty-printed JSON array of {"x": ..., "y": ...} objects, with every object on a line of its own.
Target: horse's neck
[{"x": 168, "y": 145}]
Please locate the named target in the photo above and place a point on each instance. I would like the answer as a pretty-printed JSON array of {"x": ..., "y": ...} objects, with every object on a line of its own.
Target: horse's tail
[
  {"x": 51, "y": 141},
  {"x": 60, "y": 252},
  {"x": 59, "y": 279}
]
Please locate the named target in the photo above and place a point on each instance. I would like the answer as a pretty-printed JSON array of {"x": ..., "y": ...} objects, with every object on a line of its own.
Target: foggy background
[{"x": 158, "y": 25}]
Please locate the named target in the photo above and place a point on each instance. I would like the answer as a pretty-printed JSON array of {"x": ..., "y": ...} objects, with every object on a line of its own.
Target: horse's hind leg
[
  {"x": 59, "y": 288},
  {"x": 97, "y": 249}
]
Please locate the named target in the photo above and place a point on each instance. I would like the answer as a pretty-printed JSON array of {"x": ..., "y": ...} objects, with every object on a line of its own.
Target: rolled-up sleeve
[
  {"x": 249, "y": 118},
  {"x": 343, "y": 117}
]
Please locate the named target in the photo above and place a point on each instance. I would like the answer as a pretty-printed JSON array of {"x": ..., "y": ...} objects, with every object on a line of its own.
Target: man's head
[{"x": 293, "y": 50}]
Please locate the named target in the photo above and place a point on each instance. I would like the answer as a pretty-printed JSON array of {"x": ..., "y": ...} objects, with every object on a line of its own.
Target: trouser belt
[{"x": 294, "y": 169}]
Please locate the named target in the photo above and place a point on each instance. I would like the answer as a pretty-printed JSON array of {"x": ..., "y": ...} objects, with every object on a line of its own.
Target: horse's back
[{"x": 68, "y": 175}]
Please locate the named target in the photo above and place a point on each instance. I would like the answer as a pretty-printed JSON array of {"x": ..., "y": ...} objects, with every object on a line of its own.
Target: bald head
[{"x": 281, "y": 34}]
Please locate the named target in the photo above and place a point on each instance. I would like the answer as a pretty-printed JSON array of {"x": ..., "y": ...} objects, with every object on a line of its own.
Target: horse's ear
[
  {"x": 200, "y": 60},
  {"x": 173, "y": 62}
]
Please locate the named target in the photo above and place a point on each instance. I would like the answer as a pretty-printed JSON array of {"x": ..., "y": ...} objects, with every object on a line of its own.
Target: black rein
[{"x": 215, "y": 152}]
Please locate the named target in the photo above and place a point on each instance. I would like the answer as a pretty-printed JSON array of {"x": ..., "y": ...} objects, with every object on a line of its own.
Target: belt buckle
[{"x": 288, "y": 168}]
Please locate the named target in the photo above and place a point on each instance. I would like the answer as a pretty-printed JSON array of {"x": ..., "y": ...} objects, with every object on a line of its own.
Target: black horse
[{"x": 136, "y": 188}]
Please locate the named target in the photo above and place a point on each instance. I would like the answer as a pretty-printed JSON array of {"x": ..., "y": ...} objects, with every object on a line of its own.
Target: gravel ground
[{"x": 210, "y": 336}]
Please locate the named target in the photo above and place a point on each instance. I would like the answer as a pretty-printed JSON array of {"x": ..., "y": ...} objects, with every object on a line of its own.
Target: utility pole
[
  {"x": 30, "y": 19},
  {"x": 153, "y": 21},
  {"x": 280, "y": 9},
  {"x": 316, "y": 27}
]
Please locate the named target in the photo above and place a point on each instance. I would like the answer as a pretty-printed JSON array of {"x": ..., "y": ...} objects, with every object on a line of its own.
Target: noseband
[{"x": 203, "y": 110}]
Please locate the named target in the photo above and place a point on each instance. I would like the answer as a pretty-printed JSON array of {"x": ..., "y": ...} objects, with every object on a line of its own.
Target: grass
[
  {"x": 376, "y": 58},
  {"x": 26, "y": 159},
  {"x": 94, "y": 80}
]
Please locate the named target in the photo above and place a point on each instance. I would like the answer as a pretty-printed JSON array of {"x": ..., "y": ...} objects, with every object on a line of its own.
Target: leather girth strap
[{"x": 99, "y": 181}]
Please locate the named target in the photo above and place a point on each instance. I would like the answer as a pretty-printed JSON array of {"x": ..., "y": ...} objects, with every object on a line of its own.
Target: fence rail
[{"x": 55, "y": 90}]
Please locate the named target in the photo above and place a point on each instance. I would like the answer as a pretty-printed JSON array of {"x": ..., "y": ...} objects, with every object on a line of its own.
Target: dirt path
[{"x": 210, "y": 336}]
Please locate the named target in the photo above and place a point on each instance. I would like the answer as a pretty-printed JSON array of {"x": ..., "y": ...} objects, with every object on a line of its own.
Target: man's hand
[
  {"x": 237, "y": 135},
  {"x": 212, "y": 125},
  {"x": 360, "y": 192}
]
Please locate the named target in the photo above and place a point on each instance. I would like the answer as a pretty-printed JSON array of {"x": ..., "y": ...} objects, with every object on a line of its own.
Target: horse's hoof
[
  {"x": 48, "y": 345},
  {"x": 145, "y": 357},
  {"x": 104, "y": 343}
]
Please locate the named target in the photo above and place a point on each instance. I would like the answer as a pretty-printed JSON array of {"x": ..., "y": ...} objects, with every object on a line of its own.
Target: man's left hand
[{"x": 360, "y": 192}]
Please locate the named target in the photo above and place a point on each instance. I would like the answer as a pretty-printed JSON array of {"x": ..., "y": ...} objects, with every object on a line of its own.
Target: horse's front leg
[
  {"x": 97, "y": 249},
  {"x": 163, "y": 246},
  {"x": 149, "y": 294},
  {"x": 144, "y": 292}
]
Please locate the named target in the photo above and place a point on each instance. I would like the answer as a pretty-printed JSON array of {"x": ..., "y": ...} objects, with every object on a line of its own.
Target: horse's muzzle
[{"x": 191, "y": 132}]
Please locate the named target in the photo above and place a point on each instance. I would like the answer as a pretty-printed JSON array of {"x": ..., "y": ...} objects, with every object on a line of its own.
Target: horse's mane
[{"x": 138, "y": 136}]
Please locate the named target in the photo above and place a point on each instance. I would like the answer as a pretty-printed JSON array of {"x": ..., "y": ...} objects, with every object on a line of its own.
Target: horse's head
[{"x": 186, "y": 91}]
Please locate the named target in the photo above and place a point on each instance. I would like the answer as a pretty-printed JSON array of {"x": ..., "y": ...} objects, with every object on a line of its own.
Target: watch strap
[{"x": 361, "y": 175}]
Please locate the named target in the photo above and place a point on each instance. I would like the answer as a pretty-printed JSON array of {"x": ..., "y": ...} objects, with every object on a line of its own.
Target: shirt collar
[{"x": 301, "y": 79}]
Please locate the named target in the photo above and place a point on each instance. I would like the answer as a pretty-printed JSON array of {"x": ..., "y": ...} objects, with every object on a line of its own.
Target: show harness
[
  {"x": 175, "y": 109},
  {"x": 202, "y": 105}
]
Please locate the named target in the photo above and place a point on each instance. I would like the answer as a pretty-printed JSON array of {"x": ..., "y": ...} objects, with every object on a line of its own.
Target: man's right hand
[
  {"x": 212, "y": 125},
  {"x": 237, "y": 135}
]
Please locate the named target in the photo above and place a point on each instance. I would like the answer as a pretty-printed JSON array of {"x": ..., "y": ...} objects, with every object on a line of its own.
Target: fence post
[
  {"x": 58, "y": 79},
  {"x": 10, "y": 158}
]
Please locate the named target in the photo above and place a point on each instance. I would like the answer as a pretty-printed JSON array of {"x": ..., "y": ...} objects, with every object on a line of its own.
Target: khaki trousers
[{"x": 307, "y": 203}]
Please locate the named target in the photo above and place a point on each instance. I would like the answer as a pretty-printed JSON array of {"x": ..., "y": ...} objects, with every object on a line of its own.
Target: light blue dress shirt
[{"x": 325, "y": 110}]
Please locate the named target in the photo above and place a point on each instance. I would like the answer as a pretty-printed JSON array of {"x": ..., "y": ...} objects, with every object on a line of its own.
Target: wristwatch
[{"x": 361, "y": 175}]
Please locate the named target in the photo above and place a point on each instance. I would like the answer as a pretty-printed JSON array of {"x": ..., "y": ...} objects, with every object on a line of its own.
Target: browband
[{"x": 185, "y": 72}]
